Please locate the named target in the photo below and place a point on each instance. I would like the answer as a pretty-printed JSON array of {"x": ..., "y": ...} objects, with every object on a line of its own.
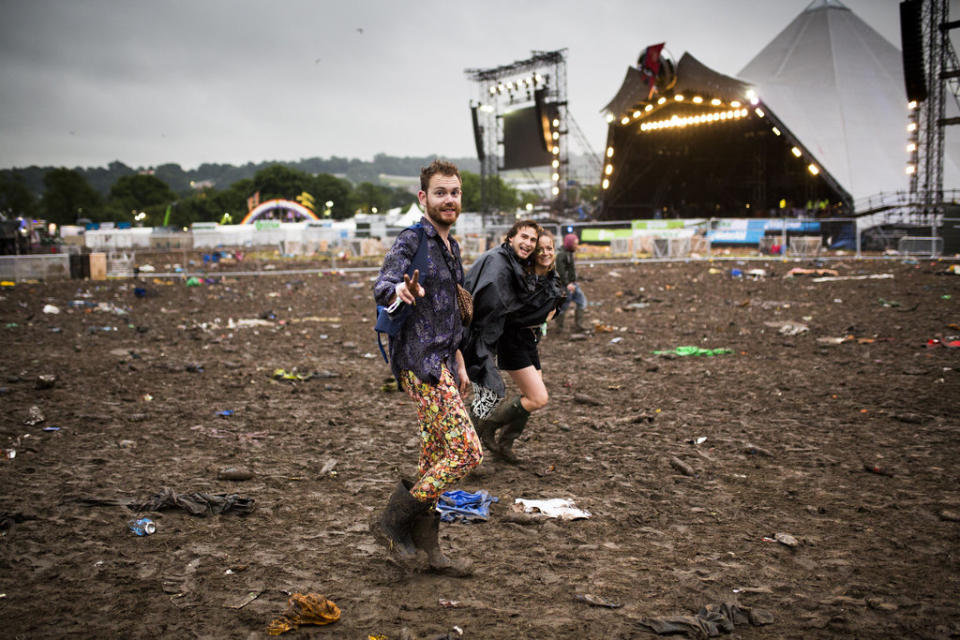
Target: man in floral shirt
[{"x": 426, "y": 359}]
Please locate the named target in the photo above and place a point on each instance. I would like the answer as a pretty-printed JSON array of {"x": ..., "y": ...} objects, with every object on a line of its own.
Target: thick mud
[{"x": 843, "y": 433}]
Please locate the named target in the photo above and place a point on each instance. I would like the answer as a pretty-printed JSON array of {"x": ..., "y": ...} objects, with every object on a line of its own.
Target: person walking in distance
[
  {"x": 426, "y": 360},
  {"x": 567, "y": 270}
]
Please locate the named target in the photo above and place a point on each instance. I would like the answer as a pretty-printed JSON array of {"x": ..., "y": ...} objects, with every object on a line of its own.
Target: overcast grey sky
[{"x": 87, "y": 82}]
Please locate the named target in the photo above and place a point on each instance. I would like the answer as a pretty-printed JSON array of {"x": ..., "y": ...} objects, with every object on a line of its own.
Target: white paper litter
[{"x": 562, "y": 508}]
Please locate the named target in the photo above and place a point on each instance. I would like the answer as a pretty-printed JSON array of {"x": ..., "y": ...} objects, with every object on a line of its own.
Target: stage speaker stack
[
  {"x": 911, "y": 39},
  {"x": 477, "y": 133}
]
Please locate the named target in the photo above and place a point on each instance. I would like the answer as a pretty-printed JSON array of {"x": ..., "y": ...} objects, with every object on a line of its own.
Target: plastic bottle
[{"x": 142, "y": 526}]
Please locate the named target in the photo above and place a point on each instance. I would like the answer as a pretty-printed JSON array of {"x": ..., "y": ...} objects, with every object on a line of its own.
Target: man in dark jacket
[{"x": 426, "y": 359}]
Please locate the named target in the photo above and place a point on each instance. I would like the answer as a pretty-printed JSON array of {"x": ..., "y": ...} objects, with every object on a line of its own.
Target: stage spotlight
[
  {"x": 636, "y": 114},
  {"x": 625, "y": 120},
  {"x": 608, "y": 169},
  {"x": 911, "y": 169},
  {"x": 609, "y": 152},
  {"x": 610, "y": 118},
  {"x": 795, "y": 151},
  {"x": 912, "y": 147},
  {"x": 735, "y": 104},
  {"x": 661, "y": 100},
  {"x": 556, "y": 151},
  {"x": 678, "y": 97},
  {"x": 716, "y": 102},
  {"x": 912, "y": 105},
  {"x": 555, "y": 191},
  {"x": 605, "y": 184},
  {"x": 813, "y": 169},
  {"x": 776, "y": 131},
  {"x": 697, "y": 99},
  {"x": 649, "y": 107},
  {"x": 555, "y": 164},
  {"x": 555, "y": 177},
  {"x": 912, "y": 126},
  {"x": 556, "y": 122},
  {"x": 759, "y": 112}
]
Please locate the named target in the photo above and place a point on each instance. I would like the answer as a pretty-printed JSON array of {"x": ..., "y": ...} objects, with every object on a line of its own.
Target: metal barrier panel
[
  {"x": 35, "y": 267},
  {"x": 917, "y": 245}
]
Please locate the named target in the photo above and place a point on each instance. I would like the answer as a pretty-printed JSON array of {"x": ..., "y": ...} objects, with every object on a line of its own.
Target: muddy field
[{"x": 831, "y": 421}]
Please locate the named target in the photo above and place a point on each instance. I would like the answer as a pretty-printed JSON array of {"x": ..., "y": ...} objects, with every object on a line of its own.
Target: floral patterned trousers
[{"x": 449, "y": 446}]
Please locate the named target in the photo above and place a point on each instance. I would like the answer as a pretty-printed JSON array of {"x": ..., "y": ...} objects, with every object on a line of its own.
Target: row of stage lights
[
  {"x": 520, "y": 84},
  {"x": 683, "y": 121},
  {"x": 678, "y": 121},
  {"x": 913, "y": 130},
  {"x": 555, "y": 150}
]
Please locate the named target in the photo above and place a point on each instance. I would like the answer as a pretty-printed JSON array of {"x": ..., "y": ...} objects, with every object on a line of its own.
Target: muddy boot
[
  {"x": 426, "y": 537},
  {"x": 485, "y": 429},
  {"x": 393, "y": 527},
  {"x": 578, "y": 320},
  {"x": 510, "y": 433},
  {"x": 507, "y": 414}
]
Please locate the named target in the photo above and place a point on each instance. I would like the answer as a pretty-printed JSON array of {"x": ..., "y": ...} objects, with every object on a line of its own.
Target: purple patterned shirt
[{"x": 431, "y": 336}]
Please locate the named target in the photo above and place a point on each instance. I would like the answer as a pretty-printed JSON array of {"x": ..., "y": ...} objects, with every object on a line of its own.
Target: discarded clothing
[
  {"x": 562, "y": 508},
  {"x": 694, "y": 351},
  {"x": 196, "y": 504},
  {"x": 711, "y": 621},
  {"x": 304, "y": 609},
  {"x": 466, "y": 507}
]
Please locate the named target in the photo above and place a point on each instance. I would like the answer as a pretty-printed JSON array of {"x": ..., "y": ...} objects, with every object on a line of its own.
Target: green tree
[
  {"x": 326, "y": 188},
  {"x": 278, "y": 181},
  {"x": 16, "y": 199},
  {"x": 132, "y": 194},
  {"x": 368, "y": 196},
  {"x": 500, "y": 196},
  {"x": 69, "y": 196}
]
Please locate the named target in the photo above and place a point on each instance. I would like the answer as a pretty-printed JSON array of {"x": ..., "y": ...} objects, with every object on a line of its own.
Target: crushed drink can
[{"x": 142, "y": 526}]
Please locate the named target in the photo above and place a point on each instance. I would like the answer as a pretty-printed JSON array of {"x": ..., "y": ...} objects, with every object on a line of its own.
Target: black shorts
[{"x": 517, "y": 349}]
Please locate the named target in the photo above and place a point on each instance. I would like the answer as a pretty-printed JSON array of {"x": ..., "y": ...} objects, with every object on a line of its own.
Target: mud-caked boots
[
  {"x": 513, "y": 417},
  {"x": 486, "y": 430},
  {"x": 426, "y": 537},
  {"x": 510, "y": 433},
  {"x": 578, "y": 320},
  {"x": 393, "y": 528}
]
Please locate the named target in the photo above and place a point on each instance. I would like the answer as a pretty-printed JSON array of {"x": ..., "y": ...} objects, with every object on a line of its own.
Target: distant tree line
[{"x": 120, "y": 193}]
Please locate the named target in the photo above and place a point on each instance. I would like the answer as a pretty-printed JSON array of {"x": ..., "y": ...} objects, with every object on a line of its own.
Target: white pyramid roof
[{"x": 838, "y": 85}]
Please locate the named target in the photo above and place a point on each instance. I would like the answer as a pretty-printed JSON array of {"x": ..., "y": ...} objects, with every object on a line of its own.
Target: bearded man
[{"x": 426, "y": 359}]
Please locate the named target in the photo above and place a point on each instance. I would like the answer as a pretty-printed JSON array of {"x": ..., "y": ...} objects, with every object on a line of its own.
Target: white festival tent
[{"x": 839, "y": 86}]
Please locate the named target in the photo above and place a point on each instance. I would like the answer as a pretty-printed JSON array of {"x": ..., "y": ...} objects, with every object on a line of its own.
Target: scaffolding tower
[
  {"x": 942, "y": 76},
  {"x": 511, "y": 85}
]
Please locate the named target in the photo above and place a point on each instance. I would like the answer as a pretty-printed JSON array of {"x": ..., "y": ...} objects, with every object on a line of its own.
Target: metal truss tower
[
  {"x": 506, "y": 86},
  {"x": 942, "y": 77}
]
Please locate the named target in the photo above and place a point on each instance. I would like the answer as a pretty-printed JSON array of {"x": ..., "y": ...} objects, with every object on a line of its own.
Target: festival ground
[{"x": 833, "y": 420}]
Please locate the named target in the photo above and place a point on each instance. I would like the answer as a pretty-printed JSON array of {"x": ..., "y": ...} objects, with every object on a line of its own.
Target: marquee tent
[{"x": 839, "y": 85}]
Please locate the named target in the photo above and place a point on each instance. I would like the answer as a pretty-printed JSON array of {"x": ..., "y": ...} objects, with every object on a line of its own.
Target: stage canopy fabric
[{"x": 838, "y": 85}]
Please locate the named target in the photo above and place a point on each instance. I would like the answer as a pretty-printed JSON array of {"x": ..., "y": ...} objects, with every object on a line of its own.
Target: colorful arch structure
[{"x": 270, "y": 205}]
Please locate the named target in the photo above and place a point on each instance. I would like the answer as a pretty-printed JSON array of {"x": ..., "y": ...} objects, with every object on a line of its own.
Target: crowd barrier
[{"x": 688, "y": 239}]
